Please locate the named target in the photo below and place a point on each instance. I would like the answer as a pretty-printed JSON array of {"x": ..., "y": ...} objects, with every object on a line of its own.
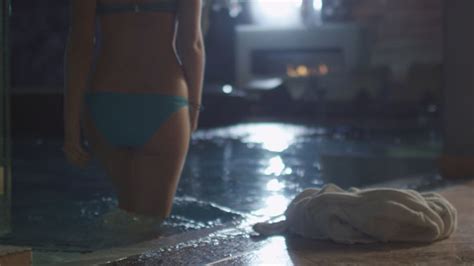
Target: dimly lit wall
[
  {"x": 407, "y": 37},
  {"x": 459, "y": 94},
  {"x": 404, "y": 31},
  {"x": 38, "y": 37}
]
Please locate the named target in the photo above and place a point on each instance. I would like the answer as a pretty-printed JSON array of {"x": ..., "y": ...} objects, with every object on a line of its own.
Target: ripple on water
[{"x": 231, "y": 173}]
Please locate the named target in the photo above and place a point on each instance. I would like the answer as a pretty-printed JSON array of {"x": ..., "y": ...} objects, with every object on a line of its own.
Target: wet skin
[{"x": 138, "y": 55}]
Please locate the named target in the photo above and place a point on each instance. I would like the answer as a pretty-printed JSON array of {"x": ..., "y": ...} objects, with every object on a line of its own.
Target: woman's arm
[
  {"x": 78, "y": 61},
  {"x": 190, "y": 48}
]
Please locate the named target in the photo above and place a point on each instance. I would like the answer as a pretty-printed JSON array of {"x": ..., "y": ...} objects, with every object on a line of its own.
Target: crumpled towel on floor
[{"x": 366, "y": 216}]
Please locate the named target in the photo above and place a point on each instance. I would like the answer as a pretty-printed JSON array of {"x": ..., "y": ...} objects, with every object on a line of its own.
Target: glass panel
[{"x": 5, "y": 160}]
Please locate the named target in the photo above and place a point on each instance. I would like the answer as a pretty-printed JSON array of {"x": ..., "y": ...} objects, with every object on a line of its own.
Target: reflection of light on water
[
  {"x": 275, "y": 185},
  {"x": 274, "y": 205},
  {"x": 276, "y": 166},
  {"x": 273, "y": 252},
  {"x": 273, "y": 137}
]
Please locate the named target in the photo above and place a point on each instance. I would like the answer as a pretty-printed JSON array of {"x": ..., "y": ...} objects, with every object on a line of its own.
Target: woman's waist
[
  {"x": 167, "y": 87},
  {"x": 119, "y": 96},
  {"x": 137, "y": 102},
  {"x": 158, "y": 84},
  {"x": 137, "y": 61},
  {"x": 138, "y": 72}
]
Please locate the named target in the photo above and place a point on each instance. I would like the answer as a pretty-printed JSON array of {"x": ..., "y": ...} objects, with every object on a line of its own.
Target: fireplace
[
  {"x": 311, "y": 61},
  {"x": 297, "y": 62}
]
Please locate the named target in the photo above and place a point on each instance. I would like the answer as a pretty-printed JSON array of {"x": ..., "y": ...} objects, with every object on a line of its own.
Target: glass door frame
[{"x": 5, "y": 134}]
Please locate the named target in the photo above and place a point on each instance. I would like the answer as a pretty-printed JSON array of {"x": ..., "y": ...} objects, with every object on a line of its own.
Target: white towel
[{"x": 366, "y": 216}]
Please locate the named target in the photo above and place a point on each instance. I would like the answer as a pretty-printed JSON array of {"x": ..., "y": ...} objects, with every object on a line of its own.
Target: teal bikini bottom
[{"x": 130, "y": 119}]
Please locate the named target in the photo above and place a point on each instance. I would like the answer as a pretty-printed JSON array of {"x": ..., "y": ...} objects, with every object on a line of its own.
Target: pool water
[{"x": 231, "y": 173}]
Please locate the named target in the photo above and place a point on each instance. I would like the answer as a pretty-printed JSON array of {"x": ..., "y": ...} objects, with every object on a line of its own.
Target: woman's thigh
[
  {"x": 146, "y": 177},
  {"x": 158, "y": 165},
  {"x": 172, "y": 136},
  {"x": 116, "y": 161}
]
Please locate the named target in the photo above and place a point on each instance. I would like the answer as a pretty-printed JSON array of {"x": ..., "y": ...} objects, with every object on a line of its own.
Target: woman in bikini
[{"x": 140, "y": 103}]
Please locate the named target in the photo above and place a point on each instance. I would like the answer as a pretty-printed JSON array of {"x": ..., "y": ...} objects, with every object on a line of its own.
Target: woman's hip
[{"x": 132, "y": 119}]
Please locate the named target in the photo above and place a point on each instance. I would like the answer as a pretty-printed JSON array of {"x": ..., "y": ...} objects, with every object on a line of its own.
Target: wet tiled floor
[
  {"x": 231, "y": 173},
  {"x": 18, "y": 256},
  {"x": 236, "y": 245},
  {"x": 233, "y": 176}
]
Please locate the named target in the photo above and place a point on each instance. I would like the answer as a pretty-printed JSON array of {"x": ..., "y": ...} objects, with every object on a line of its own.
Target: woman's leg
[
  {"x": 116, "y": 161},
  {"x": 157, "y": 166},
  {"x": 146, "y": 178}
]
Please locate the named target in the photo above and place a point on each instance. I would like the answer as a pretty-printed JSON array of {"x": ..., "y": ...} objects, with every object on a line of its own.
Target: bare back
[{"x": 137, "y": 53}]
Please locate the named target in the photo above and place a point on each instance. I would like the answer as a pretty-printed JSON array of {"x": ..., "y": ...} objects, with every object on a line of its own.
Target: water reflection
[
  {"x": 273, "y": 252},
  {"x": 221, "y": 170},
  {"x": 275, "y": 185},
  {"x": 273, "y": 137},
  {"x": 252, "y": 160},
  {"x": 275, "y": 167},
  {"x": 274, "y": 205}
]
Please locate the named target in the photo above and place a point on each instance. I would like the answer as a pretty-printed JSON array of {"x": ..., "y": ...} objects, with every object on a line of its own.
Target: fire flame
[{"x": 305, "y": 71}]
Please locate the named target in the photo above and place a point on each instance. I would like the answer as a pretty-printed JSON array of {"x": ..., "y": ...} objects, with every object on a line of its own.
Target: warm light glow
[
  {"x": 276, "y": 12},
  {"x": 323, "y": 69},
  {"x": 299, "y": 71},
  {"x": 275, "y": 167},
  {"x": 302, "y": 71},
  {"x": 291, "y": 72}
]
